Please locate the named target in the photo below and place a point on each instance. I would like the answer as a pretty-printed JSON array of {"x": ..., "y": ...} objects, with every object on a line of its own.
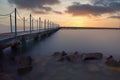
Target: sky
[{"x": 69, "y": 13}]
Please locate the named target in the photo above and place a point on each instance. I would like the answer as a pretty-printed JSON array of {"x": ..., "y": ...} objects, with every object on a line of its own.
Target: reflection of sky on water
[{"x": 106, "y": 41}]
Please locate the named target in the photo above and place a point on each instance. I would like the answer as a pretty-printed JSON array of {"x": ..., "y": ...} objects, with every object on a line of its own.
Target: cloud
[
  {"x": 114, "y": 17},
  {"x": 40, "y": 5},
  {"x": 57, "y": 12},
  {"x": 104, "y": 2},
  {"x": 94, "y": 9},
  {"x": 40, "y": 12}
]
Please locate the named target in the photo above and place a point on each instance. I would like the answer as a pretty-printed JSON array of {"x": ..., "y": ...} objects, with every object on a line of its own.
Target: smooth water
[
  {"x": 71, "y": 40},
  {"x": 83, "y": 41}
]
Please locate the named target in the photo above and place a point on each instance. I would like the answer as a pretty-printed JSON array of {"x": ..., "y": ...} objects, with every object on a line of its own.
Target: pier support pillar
[
  {"x": 1, "y": 60},
  {"x": 23, "y": 41},
  {"x": 1, "y": 54},
  {"x": 15, "y": 46},
  {"x": 36, "y": 38}
]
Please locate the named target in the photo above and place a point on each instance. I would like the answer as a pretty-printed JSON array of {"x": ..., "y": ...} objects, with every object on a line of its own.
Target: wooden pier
[
  {"x": 9, "y": 40},
  {"x": 14, "y": 38}
]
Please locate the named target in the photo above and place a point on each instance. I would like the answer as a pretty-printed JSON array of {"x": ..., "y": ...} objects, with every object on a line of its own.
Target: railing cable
[
  {"x": 7, "y": 14},
  {"x": 19, "y": 15}
]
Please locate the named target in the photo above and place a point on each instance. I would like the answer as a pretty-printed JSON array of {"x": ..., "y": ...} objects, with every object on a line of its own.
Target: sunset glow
[{"x": 72, "y": 13}]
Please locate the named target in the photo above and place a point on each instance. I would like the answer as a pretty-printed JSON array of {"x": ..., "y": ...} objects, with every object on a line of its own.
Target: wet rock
[
  {"x": 23, "y": 60},
  {"x": 110, "y": 58},
  {"x": 70, "y": 58},
  {"x": 24, "y": 64},
  {"x": 76, "y": 53},
  {"x": 64, "y": 56},
  {"x": 63, "y": 53},
  {"x": 24, "y": 69},
  {"x": 61, "y": 59},
  {"x": 56, "y": 54},
  {"x": 1, "y": 54},
  {"x": 110, "y": 61},
  {"x": 6, "y": 77},
  {"x": 1, "y": 60},
  {"x": 92, "y": 56},
  {"x": 1, "y": 67}
]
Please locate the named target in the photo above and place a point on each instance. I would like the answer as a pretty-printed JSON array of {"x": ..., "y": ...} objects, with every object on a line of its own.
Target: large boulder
[
  {"x": 24, "y": 64},
  {"x": 63, "y": 53},
  {"x": 6, "y": 77},
  {"x": 23, "y": 60},
  {"x": 92, "y": 56},
  {"x": 71, "y": 58},
  {"x": 110, "y": 61},
  {"x": 56, "y": 54},
  {"x": 24, "y": 69},
  {"x": 59, "y": 54}
]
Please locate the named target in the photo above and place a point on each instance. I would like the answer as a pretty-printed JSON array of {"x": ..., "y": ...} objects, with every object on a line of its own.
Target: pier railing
[
  {"x": 28, "y": 23},
  {"x": 32, "y": 28}
]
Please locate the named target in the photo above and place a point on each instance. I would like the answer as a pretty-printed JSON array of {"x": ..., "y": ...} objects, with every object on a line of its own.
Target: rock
[
  {"x": 23, "y": 60},
  {"x": 1, "y": 54},
  {"x": 61, "y": 59},
  {"x": 1, "y": 67},
  {"x": 92, "y": 56},
  {"x": 24, "y": 64},
  {"x": 76, "y": 53},
  {"x": 6, "y": 77},
  {"x": 110, "y": 61},
  {"x": 24, "y": 69},
  {"x": 70, "y": 58},
  {"x": 56, "y": 54},
  {"x": 63, "y": 53},
  {"x": 110, "y": 58}
]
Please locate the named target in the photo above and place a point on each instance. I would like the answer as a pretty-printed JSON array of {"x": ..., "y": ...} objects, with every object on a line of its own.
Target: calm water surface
[{"x": 83, "y": 41}]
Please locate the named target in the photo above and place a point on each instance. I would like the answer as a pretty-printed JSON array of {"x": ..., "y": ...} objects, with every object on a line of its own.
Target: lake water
[
  {"x": 83, "y": 41},
  {"x": 71, "y": 40}
]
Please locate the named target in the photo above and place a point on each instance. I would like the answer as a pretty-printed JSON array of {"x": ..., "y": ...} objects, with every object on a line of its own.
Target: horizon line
[{"x": 64, "y": 27}]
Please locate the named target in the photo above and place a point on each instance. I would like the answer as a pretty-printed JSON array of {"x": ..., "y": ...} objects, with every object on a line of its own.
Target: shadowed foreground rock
[
  {"x": 24, "y": 69},
  {"x": 92, "y": 56},
  {"x": 110, "y": 61},
  {"x": 6, "y": 77},
  {"x": 64, "y": 56},
  {"x": 77, "y": 57},
  {"x": 63, "y": 53},
  {"x": 24, "y": 64}
]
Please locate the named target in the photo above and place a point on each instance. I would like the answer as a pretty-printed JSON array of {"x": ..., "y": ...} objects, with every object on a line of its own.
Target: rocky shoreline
[{"x": 12, "y": 66}]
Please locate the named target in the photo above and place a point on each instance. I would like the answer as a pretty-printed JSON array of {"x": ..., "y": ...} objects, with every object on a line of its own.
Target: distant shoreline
[{"x": 88, "y": 28}]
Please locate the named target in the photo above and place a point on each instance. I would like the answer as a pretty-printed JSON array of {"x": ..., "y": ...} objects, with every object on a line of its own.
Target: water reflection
[
  {"x": 106, "y": 41},
  {"x": 83, "y": 41}
]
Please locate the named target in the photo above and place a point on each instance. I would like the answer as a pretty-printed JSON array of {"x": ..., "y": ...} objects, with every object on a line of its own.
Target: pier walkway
[{"x": 37, "y": 29}]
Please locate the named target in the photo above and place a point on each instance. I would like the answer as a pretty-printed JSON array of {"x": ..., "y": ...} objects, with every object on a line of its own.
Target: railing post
[
  {"x": 39, "y": 24},
  {"x": 24, "y": 24},
  {"x": 45, "y": 24},
  {"x": 48, "y": 24},
  {"x": 52, "y": 25},
  {"x": 42, "y": 24},
  {"x": 11, "y": 23},
  {"x": 15, "y": 22},
  {"x": 30, "y": 24}
]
